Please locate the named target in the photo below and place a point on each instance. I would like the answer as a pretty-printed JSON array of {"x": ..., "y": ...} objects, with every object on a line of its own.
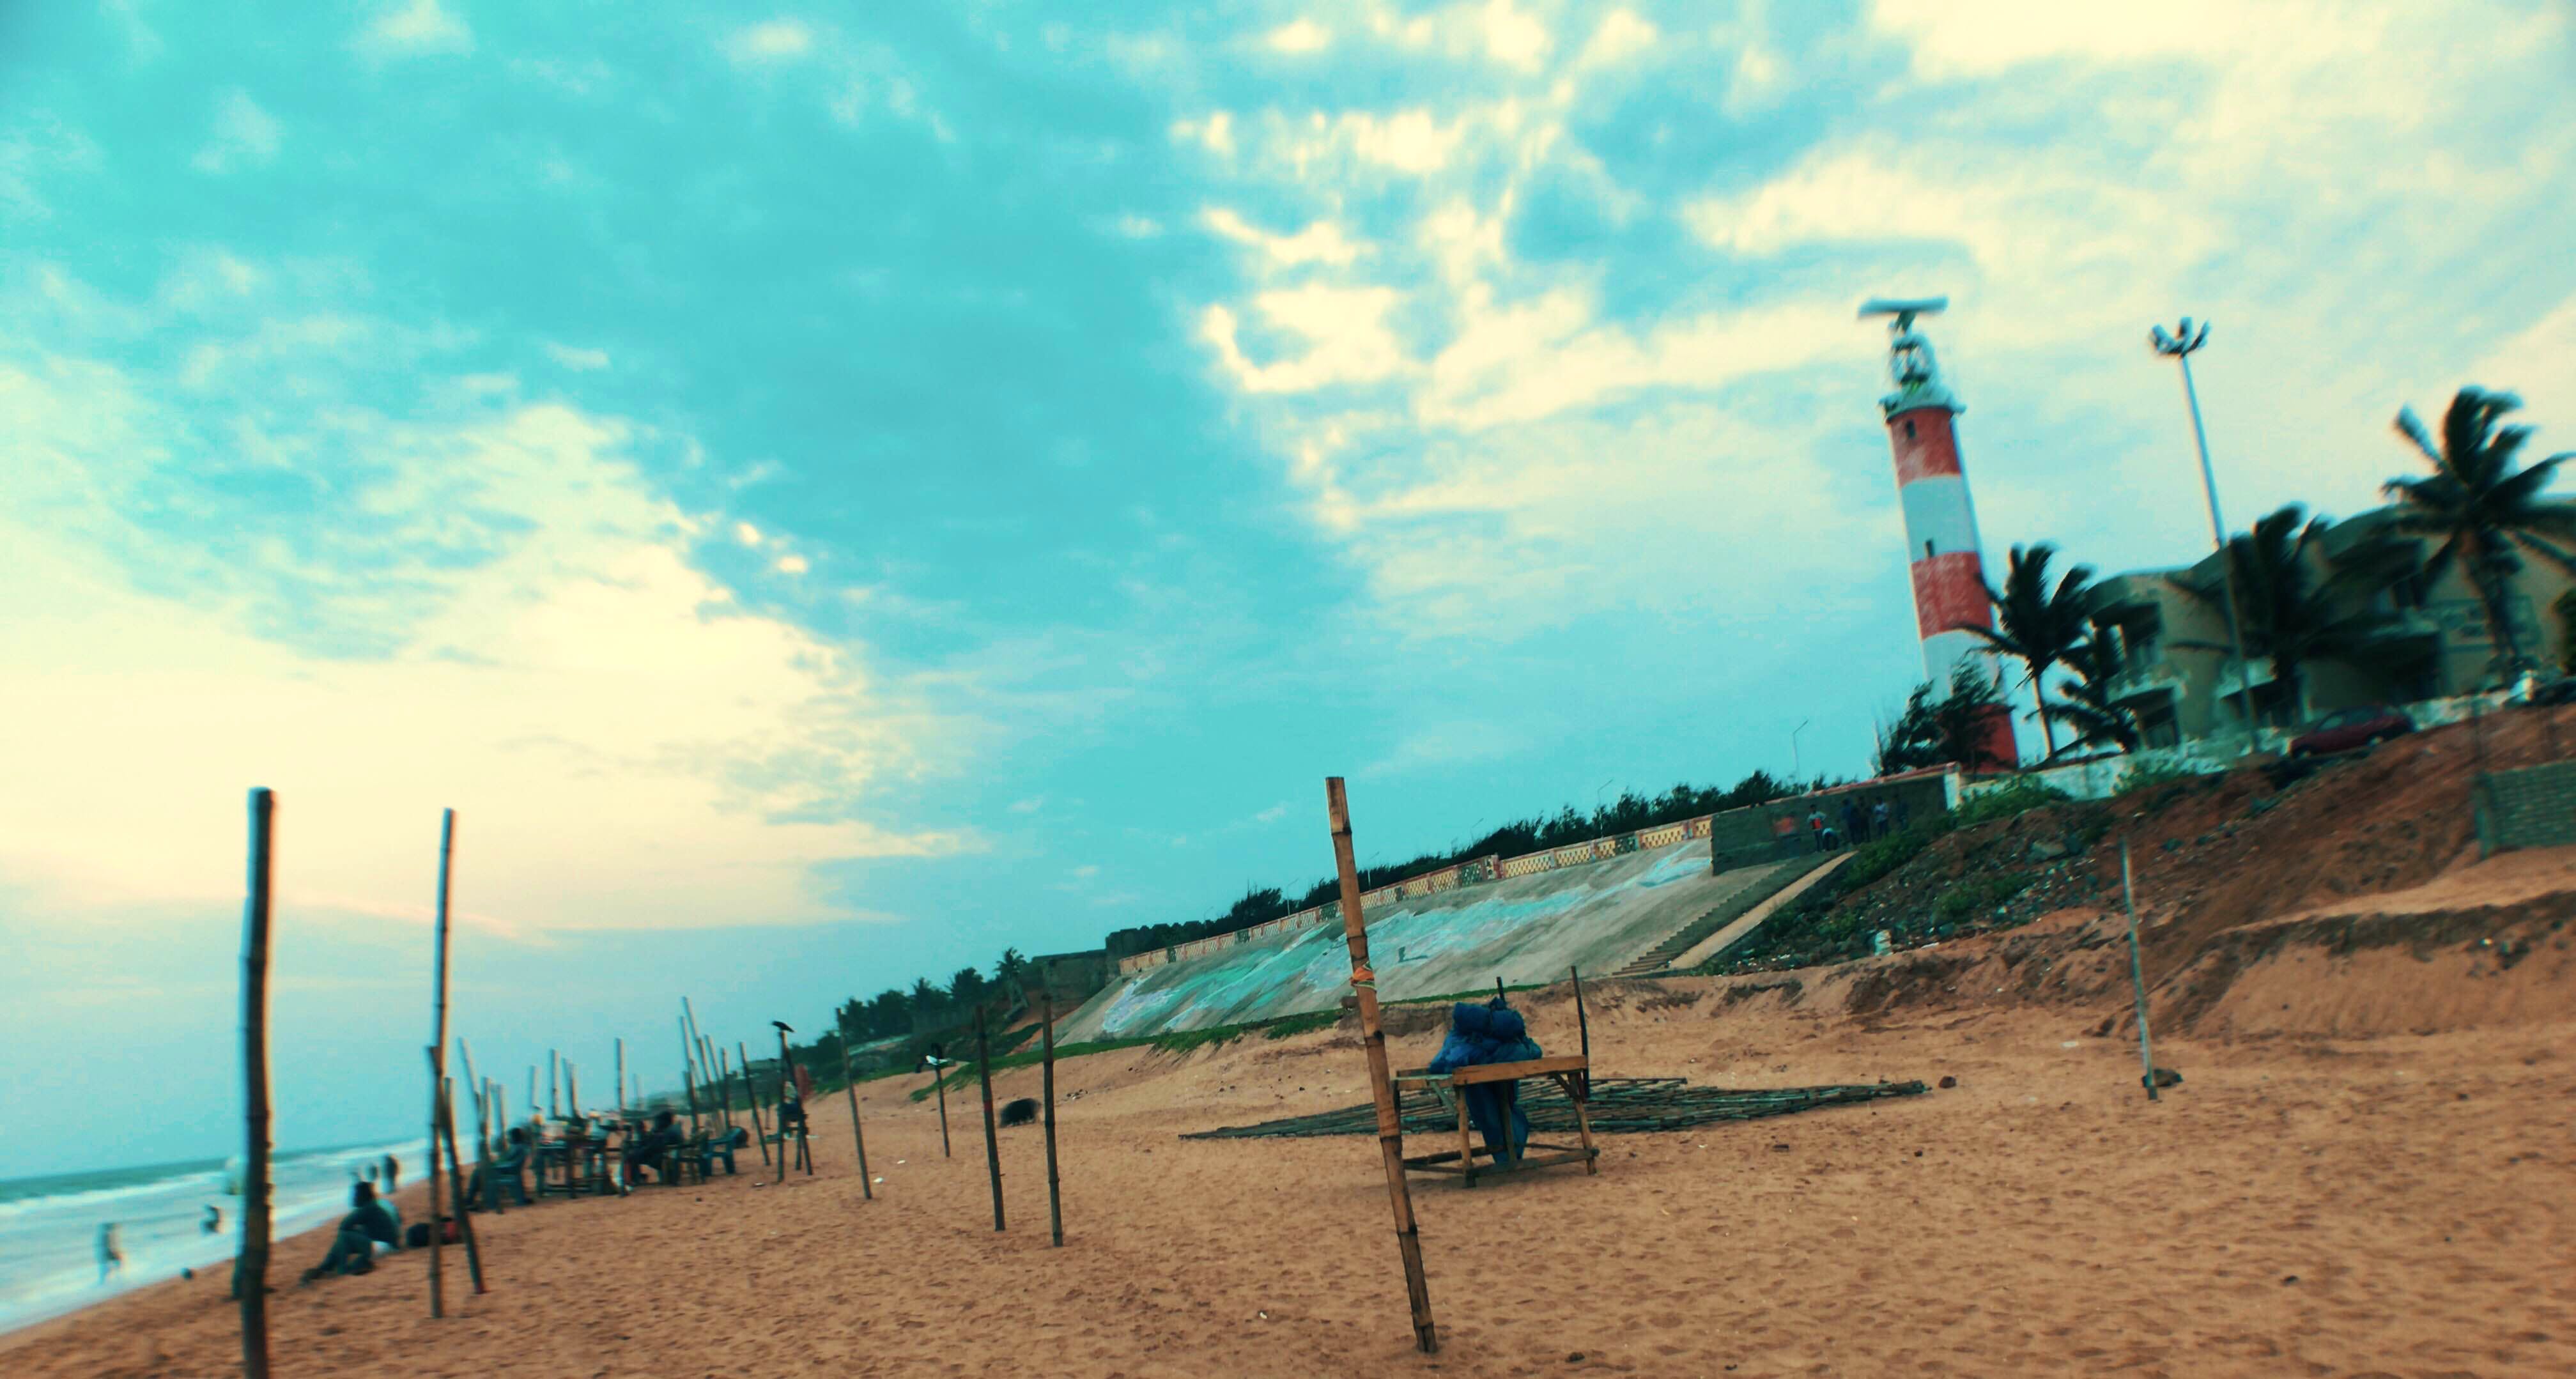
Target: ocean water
[{"x": 49, "y": 1225}]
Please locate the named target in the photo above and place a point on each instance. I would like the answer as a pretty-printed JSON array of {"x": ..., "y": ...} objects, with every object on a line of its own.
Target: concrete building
[{"x": 2176, "y": 676}]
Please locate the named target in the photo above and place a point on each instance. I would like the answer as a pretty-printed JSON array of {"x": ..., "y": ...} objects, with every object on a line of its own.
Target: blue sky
[{"x": 827, "y": 495}]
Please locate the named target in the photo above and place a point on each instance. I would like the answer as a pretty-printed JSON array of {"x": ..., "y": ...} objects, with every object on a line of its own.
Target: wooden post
[
  {"x": 554, "y": 1082},
  {"x": 621, "y": 1079},
  {"x": 250, "y": 1273},
  {"x": 939, "y": 1084},
  {"x": 992, "y": 1145},
  {"x": 482, "y": 1141},
  {"x": 2137, "y": 976},
  {"x": 444, "y": 1124},
  {"x": 1046, "y": 1034},
  {"x": 1390, "y": 1125},
  {"x": 688, "y": 1083},
  {"x": 438, "y": 1065},
  {"x": 1582, "y": 1025},
  {"x": 759, "y": 1131},
  {"x": 708, "y": 1058},
  {"x": 850, "y": 1084},
  {"x": 786, "y": 1070}
]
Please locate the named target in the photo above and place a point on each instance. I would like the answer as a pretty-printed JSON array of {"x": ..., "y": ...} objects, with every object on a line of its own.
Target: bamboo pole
[
  {"x": 482, "y": 1142},
  {"x": 572, "y": 1089},
  {"x": 786, "y": 1070},
  {"x": 939, "y": 1084},
  {"x": 443, "y": 1123},
  {"x": 1046, "y": 1033},
  {"x": 688, "y": 1083},
  {"x": 250, "y": 1271},
  {"x": 850, "y": 1084},
  {"x": 759, "y": 1129},
  {"x": 1582, "y": 1025},
  {"x": 724, "y": 1090},
  {"x": 438, "y": 1065},
  {"x": 554, "y": 1101},
  {"x": 2137, "y": 976},
  {"x": 992, "y": 1145},
  {"x": 621, "y": 1079},
  {"x": 1390, "y": 1127}
]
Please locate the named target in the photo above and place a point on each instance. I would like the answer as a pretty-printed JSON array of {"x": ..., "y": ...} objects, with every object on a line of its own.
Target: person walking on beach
[{"x": 111, "y": 1253}]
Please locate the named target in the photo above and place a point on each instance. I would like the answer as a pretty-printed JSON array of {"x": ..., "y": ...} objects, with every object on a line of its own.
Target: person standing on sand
[
  {"x": 1816, "y": 827},
  {"x": 214, "y": 1222},
  {"x": 111, "y": 1253}
]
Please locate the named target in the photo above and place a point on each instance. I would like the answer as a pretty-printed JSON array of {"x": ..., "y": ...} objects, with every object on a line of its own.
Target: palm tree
[
  {"x": 2039, "y": 626},
  {"x": 1934, "y": 732},
  {"x": 2480, "y": 511},
  {"x": 1014, "y": 970},
  {"x": 2088, "y": 706},
  {"x": 2291, "y": 617}
]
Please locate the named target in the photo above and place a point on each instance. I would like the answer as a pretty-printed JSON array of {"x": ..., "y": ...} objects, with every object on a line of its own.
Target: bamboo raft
[{"x": 1618, "y": 1105}]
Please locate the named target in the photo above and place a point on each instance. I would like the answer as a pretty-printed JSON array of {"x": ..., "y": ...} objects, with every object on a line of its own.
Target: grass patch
[{"x": 2023, "y": 795}]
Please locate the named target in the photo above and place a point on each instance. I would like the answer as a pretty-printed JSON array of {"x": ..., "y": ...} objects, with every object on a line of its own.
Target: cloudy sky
[{"x": 826, "y": 492}]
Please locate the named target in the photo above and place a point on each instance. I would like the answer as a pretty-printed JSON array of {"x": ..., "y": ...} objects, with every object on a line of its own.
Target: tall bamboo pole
[
  {"x": 438, "y": 1066},
  {"x": 1390, "y": 1127},
  {"x": 621, "y": 1079},
  {"x": 851, "y": 1085},
  {"x": 688, "y": 1083},
  {"x": 992, "y": 1145},
  {"x": 444, "y": 1124},
  {"x": 786, "y": 1070},
  {"x": 724, "y": 1091},
  {"x": 759, "y": 1129},
  {"x": 554, "y": 1101},
  {"x": 482, "y": 1141},
  {"x": 250, "y": 1274},
  {"x": 2137, "y": 976},
  {"x": 1046, "y": 1033}
]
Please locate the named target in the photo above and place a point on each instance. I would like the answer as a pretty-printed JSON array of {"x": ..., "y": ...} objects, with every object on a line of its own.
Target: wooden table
[{"x": 1571, "y": 1071}]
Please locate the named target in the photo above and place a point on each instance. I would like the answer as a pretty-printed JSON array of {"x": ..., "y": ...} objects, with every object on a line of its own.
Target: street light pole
[
  {"x": 1794, "y": 776},
  {"x": 2180, "y": 346}
]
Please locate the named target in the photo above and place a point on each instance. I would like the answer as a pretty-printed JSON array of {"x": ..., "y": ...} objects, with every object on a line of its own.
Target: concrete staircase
[{"x": 1726, "y": 911}]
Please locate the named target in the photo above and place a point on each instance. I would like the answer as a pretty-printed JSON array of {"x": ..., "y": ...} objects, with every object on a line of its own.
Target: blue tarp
[{"x": 1490, "y": 1034}]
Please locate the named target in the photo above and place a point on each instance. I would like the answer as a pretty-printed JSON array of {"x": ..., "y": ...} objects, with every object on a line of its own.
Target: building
[
  {"x": 1941, "y": 549},
  {"x": 2430, "y": 641}
]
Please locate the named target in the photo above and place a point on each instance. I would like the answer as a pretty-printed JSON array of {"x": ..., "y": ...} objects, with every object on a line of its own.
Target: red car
[{"x": 2346, "y": 730}]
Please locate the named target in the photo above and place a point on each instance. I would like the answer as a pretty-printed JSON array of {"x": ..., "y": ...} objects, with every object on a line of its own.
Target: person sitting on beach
[
  {"x": 507, "y": 1171},
  {"x": 353, "y": 1247},
  {"x": 1492, "y": 1033},
  {"x": 648, "y": 1149}
]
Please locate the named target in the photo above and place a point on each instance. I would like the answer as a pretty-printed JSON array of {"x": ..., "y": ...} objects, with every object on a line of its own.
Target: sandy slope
[{"x": 2393, "y": 1204}]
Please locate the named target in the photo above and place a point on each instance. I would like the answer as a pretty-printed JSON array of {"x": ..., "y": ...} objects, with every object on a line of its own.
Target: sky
[{"x": 828, "y": 492}]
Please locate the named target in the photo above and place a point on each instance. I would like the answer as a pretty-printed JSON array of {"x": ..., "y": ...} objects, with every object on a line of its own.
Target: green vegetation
[
  {"x": 2481, "y": 512},
  {"x": 2022, "y": 795},
  {"x": 1970, "y": 898},
  {"x": 2041, "y": 627}
]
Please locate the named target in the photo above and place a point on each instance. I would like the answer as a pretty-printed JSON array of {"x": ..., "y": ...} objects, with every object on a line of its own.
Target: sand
[{"x": 2398, "y": 1203}]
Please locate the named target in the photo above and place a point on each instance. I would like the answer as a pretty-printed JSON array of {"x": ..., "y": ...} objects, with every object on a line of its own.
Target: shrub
[
  {"x": 1971, "y": 898},
  {"x": 2155, "y": 776},
  {"x": 2022, "y": 795}
]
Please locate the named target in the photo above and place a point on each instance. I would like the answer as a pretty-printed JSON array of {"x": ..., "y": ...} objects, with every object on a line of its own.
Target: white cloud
[
  {"x": 1512, "y": 37},
  {"x": 1028, "y": 806},
  {"x": 1345, "y": 328},
  {"x": 1085, "y": 872},
  {"x": 420, "y": 26},
  {"x": 577, "y": 359},
  {"x": 582, "y": 694},
  {"x": 1320, "y": 242},
  {"x": 1620, "y": 36},
  {"x": 1299, "y": 35},
  {"x": 244, "y": 135},
  {"x": 1409, "y": 141},
  {"x": 777, "y": 40},
  {"x": 1215, "y": 133},
  {"x": 1135, "y": 226},
  {"x": 792, "y": 565},
  {"x": 747, "y": 534}
]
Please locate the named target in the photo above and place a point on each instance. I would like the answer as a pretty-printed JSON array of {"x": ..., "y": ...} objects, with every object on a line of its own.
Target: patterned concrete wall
[
  {"x": 2534, "y": 807},
  {"x": 1596, "y": 915}
]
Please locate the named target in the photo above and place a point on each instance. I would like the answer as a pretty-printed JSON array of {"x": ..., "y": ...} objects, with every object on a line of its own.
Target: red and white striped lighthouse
[{"x": 1940, "y": 521}]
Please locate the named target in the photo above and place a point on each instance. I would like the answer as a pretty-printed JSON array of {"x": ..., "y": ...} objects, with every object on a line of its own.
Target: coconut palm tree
[
  {"x": 2481, "y": 512},
  {"x": 2088, "y": 707},
  {"x": 2037, "y": 625},
  {"x": 2290, "y": 615},
  {"x": 1952, "y": 729}
]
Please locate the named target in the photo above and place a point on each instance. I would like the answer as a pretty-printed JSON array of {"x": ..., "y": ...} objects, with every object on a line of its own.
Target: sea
[{"x": 49, "y": 1226}]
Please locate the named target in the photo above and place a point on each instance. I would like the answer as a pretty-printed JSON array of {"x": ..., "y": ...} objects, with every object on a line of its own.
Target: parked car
[{"x": 2347, "y": 729}]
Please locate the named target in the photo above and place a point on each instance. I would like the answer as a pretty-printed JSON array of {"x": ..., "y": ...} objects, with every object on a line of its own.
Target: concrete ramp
[{"x": 1529, "y": 929}]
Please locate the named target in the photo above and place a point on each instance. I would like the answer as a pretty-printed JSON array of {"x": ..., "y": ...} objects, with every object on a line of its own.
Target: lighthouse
[{"x": 1940, "y": 522}]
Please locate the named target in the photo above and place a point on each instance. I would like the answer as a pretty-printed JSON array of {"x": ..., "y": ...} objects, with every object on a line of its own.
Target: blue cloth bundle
[{"x": 1490, "y": 1034}]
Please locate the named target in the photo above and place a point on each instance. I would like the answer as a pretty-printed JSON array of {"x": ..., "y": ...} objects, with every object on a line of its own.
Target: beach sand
[{"x": 2392, "y": 1203}]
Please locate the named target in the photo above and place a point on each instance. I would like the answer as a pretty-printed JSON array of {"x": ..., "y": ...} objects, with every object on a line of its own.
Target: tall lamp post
[
  {"x": 1793, "y": 749},
  {"x": 2180, "y": 346}
]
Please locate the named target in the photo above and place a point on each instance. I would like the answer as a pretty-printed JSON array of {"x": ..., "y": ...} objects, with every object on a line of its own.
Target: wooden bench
[{"x": 1572, "y": 1071}]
